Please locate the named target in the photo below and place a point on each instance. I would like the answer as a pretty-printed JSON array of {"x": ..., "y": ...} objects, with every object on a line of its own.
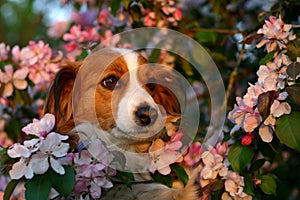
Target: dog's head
[{"x": 117, "y": 89}]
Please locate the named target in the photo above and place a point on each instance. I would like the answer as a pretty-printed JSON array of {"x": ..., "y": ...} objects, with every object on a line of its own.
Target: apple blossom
[
  {"x": 162, "y": 154},
  {"x": 40, "y": 127},
  {"x": 11, "y": 79},
  {"x": 92, "y": 169},
  {"x": 275, "y": 33},
  {"x": 235, "y": 184},
  {"x": 4, "y": 50},
  {"x": 194, "y": 154}
]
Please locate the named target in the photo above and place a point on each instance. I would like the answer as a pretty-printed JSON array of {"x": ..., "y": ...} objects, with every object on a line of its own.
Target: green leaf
[
  {"x": 38, "y": 188},
  {"x": 288, "y": 131},
  {"x": 58, "y": 182},
  {"x": 294, "y": 94},
  {"x": 239, "y": 156},
  {"x": 268, "y": 184},
  {"x": 124, "y": 177},
  {"x": 181, "y": 173},
  {"x": 163, "y": 179},
  {"x": 206, "y": 36},
  {"x": 267, "y": 149},
  {"x": 154, "y": 55},
  {"x": 293, "y": 70},
  {"x": 115, "y": 5},
  {"x": 249, "y": 185},
  {"x": 22, "y": 97},
  {"x": 257, "y": 164},
  {"x": 13, "y": 128},
  {"x": 10, "y": 189},
  {"x": 267, "y": 58}
]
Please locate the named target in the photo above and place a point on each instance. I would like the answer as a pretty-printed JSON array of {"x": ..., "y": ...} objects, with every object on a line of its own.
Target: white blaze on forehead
[{"x": 135, "y": 97}]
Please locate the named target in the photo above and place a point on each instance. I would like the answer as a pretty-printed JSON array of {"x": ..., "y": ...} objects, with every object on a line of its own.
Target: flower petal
[
  {"x": 20, "y": 84},
  {"x": 40, "y": 163},
  {"x": 21, "y": 73},
  {"x": 266, "y": 133},
  {"x": 17, "y": 150},
  {"x": 8, "y": 89},
  {"x": 56, "y": 166}
]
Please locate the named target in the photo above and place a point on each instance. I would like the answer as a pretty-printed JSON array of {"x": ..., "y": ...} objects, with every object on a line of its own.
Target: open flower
[
  {"x": 234, "y": 185},
  {"x": 194, "y": 154},
  {"x": 50, "y": 150},
  {"x": 275, "y": 33},
  {"x": 4, "y": 50},
  {"x": 162, "y": 154},
  {"x": 277, "y": 110},
  {"x": 92, "y": 169},
  {"x": 11, "y": 79},
  {"x": 41, "y": 127}
]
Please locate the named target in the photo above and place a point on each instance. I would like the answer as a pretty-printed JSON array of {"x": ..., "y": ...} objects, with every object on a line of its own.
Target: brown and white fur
[{"x": 113, "y": 96}]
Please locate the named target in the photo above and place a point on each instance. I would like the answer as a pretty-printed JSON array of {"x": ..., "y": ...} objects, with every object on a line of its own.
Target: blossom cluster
[
  {"x": 170, "y": 16},
  {"x": 38, "y": 154},
  {"x": 213, "y": 165},
  {"x": 35, "y": 62},
  {"x": 272, "y": 78},
  {"x": 92, "y": 166},
  {"x": 163, "y": 154}
]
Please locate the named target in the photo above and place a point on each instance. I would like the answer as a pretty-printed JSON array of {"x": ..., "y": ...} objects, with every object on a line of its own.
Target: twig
[
  {"x": 222, "y": 31},
  {"x": 234, "y": 73}
]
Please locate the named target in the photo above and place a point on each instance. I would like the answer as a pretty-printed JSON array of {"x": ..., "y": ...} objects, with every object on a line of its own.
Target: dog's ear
[{"x": 59, "y": 101}]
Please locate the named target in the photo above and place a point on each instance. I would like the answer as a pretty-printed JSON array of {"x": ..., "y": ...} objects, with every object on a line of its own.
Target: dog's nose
[{"x": 146, "y": 115}]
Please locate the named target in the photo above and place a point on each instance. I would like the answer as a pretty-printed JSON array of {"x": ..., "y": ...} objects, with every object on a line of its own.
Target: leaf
[
  {"x": 14, "y": 127},
  {"x": 22, "y": 97},
  {"x": 249, "y": 185},
  {"x": 124, "y": 177},
  {"x": 10, "y": 189},
  {"x": 294, "y": 94},
  {"x": 267, "y": 58},
  {"x": 115, "y": 5},
  {"x": 181, "y": 173},
  {"x": 58, "y": 182},
  {"x": 38, "y": 188},
  {"x": 206, "y": 36},
  {"x": 287, "y": 130},
  {"x": 268, "y": 184},
  {"x": 163, "y": 179},
  {"x": 240, "y": 156},
  {"x": 267, "y": 150},
  {"x": 257, "y": 164},
  {"x": 293, "y": 70},
  {"x": 264, "y": 102},
  {"x": 154, "y": 55}
]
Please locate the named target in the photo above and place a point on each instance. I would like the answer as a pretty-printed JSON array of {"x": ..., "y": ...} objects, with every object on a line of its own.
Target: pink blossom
[
  {"x": 4, "y": 50},
  {"x": 38, "y": 58},
  {"x": 163, "y": 154},
  {"x": 213, "y": 165},
  {"x": 58, "y": 29},
  {"x": 252, "y": 94},
  {"x": 40, "y": 127},
  {"x": 109, "y": 40},
  {"x": 234, "y": 185},
  {"x": 267, "y": 128},
  {"x": 275, "y": 33},
  {"x": 194, "y": 154},
  {"x": 92, "y": 169},
  {"x": 222, "y": 148},
  {"x": 244, "y": 117},
  {"x": 105, "y": 18},
  {"x": 85, "y": 18},
  {"x": 50, "y": 150},
  {"x": 11, "y": 79}
]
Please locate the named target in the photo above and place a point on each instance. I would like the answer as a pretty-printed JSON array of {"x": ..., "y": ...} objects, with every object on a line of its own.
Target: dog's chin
[{"x": 136, "y": 135}]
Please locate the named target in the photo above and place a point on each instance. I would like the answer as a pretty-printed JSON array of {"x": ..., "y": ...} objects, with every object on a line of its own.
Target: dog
[{"x": 117, "y": 96}]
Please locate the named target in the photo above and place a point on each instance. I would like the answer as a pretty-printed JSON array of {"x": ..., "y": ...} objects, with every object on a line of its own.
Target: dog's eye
[{"x": 110, "y": 82}]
